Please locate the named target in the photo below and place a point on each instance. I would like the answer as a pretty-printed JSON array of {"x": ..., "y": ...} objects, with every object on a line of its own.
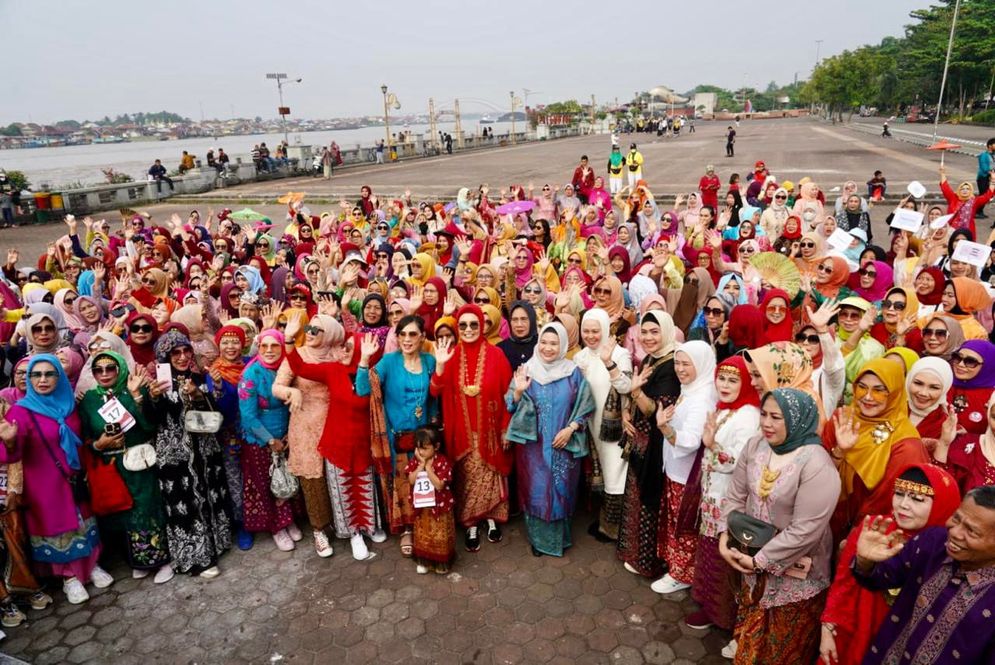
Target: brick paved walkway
[{"x": 501, "y": 605}]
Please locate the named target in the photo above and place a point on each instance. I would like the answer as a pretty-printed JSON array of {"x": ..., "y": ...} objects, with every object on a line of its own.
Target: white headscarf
[
  {"x": 542, "y": 372},
  {"x": 667, "y": 329},
  {"x": 939, "y": 368},
  {"x": 702, "y": 356}
]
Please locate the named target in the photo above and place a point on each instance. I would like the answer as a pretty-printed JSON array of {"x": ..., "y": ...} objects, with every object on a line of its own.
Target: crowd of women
[{"x": 729, "y": 388}]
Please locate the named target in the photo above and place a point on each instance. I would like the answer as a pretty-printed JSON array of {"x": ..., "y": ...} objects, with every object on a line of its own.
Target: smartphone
[
  {"x": 112, "y": 429},
  {"x": 164, "y": 373}
]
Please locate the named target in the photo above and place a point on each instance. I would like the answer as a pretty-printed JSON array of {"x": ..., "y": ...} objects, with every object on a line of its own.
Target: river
[{"x": 67, "y": 165}]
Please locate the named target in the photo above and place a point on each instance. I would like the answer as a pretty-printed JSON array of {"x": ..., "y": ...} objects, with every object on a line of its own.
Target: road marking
[{"x": 919, "y": 162}]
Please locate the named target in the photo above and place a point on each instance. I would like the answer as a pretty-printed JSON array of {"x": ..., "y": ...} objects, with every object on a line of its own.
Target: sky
[{"x": 211, "y": 56}]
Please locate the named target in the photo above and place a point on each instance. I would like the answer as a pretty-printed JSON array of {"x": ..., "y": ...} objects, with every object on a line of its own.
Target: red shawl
[{"x": 776, "y": 332}]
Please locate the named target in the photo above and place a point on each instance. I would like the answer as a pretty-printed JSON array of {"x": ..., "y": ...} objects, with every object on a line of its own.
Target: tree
[
  {"x": 569, "y": 107},
  {"x": 13, "y": 129}
]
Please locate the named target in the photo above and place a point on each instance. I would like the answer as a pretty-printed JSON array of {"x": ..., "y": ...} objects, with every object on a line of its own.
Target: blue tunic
[
  {"x": 264, "y": 417},
  {"x": 405, "y": 395}
]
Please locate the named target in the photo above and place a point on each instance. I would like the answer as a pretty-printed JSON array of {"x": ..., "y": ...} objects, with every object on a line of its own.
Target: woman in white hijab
[
  {"x": 550, "y": 402},
  {"x": 608, "y": 370},
  {"x": 682, "y": 426}
]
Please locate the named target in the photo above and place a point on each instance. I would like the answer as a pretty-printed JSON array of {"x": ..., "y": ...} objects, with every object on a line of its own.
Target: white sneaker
[
  {"x": 379, "y": 536},
  {"x": 295, "y": 533},
  {"x": 164, "y": 574},
  {"x": 421, "y": 569},
  {"x": 729, "y": 650},
  {"x": 74, "y": 590},
  {"x": 139, "y": 574},
  {"x": 210, "y": 573},
  {"x": 321, "y": 544},
  {"x": 630, "y": 568},
  {"x": 359, "y": 550},
  {"x": 283, "y": 541},
  {"x": 668, "y": 584},
  {"x": 101, "y": 578}
]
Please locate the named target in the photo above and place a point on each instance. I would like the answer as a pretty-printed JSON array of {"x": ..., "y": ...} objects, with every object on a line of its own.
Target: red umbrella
[
  {"x": 943, "y": 145},
  {"x": 515, "y": 207}
]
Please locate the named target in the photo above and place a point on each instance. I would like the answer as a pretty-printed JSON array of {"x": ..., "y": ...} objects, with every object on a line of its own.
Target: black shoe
[
  {"x": 472, "y": 540},
  {"x": 535, "y": 552},
  {"x": 494, "y": 535}
]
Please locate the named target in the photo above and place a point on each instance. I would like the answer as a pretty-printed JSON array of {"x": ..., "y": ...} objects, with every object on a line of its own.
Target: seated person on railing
[{"x": 158, "y": 173}]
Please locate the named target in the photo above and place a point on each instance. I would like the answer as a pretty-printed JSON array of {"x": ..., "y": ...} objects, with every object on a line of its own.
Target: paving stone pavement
[{"x": 500, "y": 605}]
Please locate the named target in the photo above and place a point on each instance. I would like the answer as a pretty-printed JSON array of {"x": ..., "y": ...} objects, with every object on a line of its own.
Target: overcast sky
[{"x": 83, "y": 60}]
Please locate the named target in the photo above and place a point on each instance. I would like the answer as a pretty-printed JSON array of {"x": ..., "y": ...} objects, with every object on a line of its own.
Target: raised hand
[
  {"x": 444, "y": 350},
  {"x": 664, "y": 414},
  {"x": 875, "y": 544},
  {"x": 292, "y": 330},
  {"x": 328, "y": 306},
  {"x": 369, "y": 348},
  {"x": 522, "y": 380},
  {"x": 88, "y": 222},
  {"x": 135, "y": 383},
  {"x": 12, "y": 256},
  {"x": 70, "y": 221},
  {"x": 449, "y": 308},
  {"x": 417, "y": 294},
  {"x": 868, "y": 319},
  {"x": 708, "y": 434},
  {"x": 847, "y": 428},
  {"x": 271, "y": 313},
  {"x": 606, "y": 349},
  {"x": 820, "y": 318},
  {"x": 99, "y": 272},
  {"x": 639, "y": 380}
]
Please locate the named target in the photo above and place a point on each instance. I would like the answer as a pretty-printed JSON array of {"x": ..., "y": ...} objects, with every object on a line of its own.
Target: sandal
[{"x": 406, "y": 547}]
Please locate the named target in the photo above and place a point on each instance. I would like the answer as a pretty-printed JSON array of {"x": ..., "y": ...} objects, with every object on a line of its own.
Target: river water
[{"x": 65, "y": 165}]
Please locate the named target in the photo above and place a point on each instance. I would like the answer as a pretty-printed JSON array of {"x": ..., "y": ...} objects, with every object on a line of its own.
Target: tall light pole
[
  {"x": 284, "y": 111},
  {"x": 946, "y": 66},
  {"x": 818, "y": 49},
  {"x": 512, "y": 93},
  {"x": 386, "y": 117}
]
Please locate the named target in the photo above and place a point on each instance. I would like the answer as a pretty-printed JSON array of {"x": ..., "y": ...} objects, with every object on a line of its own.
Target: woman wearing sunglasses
[
  {"x": 871, "y": 442},
  {"x": 973, "y": 364},
  {"x": 941, "y": 336},
  {"x": 899, "y": 313},
  {"x": 42, "y": 431},
  {"x": 141, "y": 528}
]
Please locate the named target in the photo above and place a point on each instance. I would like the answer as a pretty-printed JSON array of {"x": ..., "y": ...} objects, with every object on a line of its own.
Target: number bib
[{"x": 423, "y": 495}]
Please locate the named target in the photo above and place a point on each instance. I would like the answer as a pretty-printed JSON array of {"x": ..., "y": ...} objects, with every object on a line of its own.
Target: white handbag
[
  {"x": 202, "y": 422},
  {"x": 139, "y": 458}
]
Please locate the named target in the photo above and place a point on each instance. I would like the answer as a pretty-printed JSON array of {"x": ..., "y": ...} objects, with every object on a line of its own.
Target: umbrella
[
  {"x": 778, "y": 270},
  {"x": 515, "y": 207},
  {"x": 943, "y": 145},
  {"x": 250, "y": 215}
]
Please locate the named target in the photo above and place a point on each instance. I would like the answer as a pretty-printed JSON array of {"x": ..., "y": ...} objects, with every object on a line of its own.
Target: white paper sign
[
  {"x": 423, "y": 493},
  {"x": 114, "y": 412},
  {"x": 840, "y": 240},
  {"x": 972, "y": 252},
  {"x": 940, "y": 222},
  {"x": 907, "y": 220}
]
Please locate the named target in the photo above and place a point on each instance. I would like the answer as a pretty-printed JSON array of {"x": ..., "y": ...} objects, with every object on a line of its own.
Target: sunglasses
[
  {"x": 298, "y": 296},
  {"x": 545, "y": 189},
  {"x": 601, "y": 291},
  {"x": 850, "y": 314},
  {"x": 938, "y": 333},
  {"x": 573, "y": 261},
  {"x": 383, "y": 255},
  {"x": 105, "y": 369},
  {"x": 532, "y": 289},
  {"x": 877, "y": 393},
  {"x": 896, "y": 305},
  {"x": 966, "y": 361},
  {"x": 482, "y": 300},
  {"x": 811, "y": 339},
  {"x": 181, "y": 351},
  {"x": 263, "y": 245},
  {"x": 314, "y": 330},
  {"x": 780, "y": 198},
  {"x": 469, "y": 325},
  {"x": 146, "y": 328},
  {"x": 776, "y": 308},
  {"x": 864, "y": 272},
  {"x": 713, "y": 311},
  {"x": 43, "y": 329},
  {"x": 409, "y": 333},
  {"x": 828, "y": 270},
  {"x": 690, "y": 280},
  {"x": 43, "y": 375},
  {"x": 810, "y": 245},
  {"x": 148, "y": 282},
  {"x": 383, "y": 227}
]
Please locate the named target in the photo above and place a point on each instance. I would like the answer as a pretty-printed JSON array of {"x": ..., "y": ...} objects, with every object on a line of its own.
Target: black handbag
[{"x": 747, "y": 533}]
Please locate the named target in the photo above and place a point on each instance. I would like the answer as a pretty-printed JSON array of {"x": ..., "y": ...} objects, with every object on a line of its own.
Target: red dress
[
  {"x": 971, "y": 405},
  {"x": 968, "y": 464},
  {"x": 913, "y": 338}
]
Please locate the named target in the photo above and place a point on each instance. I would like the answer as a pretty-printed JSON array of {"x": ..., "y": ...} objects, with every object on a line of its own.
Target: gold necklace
[{"x": 768, "y": 478}]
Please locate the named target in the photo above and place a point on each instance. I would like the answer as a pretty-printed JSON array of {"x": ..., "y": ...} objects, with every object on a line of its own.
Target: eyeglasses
[
  {"x": 774, "y": 309},
  {"x": 690, "y": 279},
  {"x": 811, "y": 339},
  {"x": 469, "y": 325},
  {"x": 383, "y": 255},
  {"x": 43, "y": 329},
  {"x": 146, "y": 328},
  {"x": 43, "y": 375},
  {"x": 262, "y": 245},
  {"x": 532, "y": 289},
  {"x": 574, "y": 261},
  {"x": 810, "y": 245},
  {"x": 877, "y": 393},
  {"x": 779, "y": 197},
  {"x": 896, "y": 305},
  {"x": 21, "y": 372},
  {"x": 105, "y": 369},
  {"x": 148, "y": 281},
  {"x": 966, "y": 361},
  {"x": 314, "y": 330},
  {"x": 69, "y": 302},
  {"x": 545, "y": 189},
  {"x": 864, "y": 272},
  {"x": 181, "y": 351},
  {"x": 99, "y": 345},
  {"x": 482, "y": 300},
  {"x": 383, "y": 227},
  {"x": 298, "y": 296},
  {"x": 850, "y": 314},
  {"x": 828, "y": 270},
  {"x": 938, "y": 333},
  {"x": 713, "y": 311},
  {"x": 409, "y": 333},
  {"x": 601, "y": 291}
]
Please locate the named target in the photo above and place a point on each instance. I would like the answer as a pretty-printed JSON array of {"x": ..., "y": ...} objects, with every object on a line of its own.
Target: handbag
[
  {"x": 76, "y": 479},
  {"x": 140, "y": 457},
  {"x": 611, "y": 420},
  {"x": 282, "y": 483},
  {"x": 202, "y": 422},
  {"x": 747, "y": 533},
  {"x": 108, "y": 493}
]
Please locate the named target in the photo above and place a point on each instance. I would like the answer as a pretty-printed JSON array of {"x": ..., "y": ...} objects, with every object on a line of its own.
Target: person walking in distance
[
  {"x": 730, "y": 141},
  {"x": 986, "y": 164}
]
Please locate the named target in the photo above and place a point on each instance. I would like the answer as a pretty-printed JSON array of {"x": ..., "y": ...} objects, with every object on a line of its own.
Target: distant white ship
[{"x": 486, "y": 120}]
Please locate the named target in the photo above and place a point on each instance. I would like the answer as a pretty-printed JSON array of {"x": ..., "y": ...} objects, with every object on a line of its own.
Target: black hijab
[{"x": 519, "y": 349}]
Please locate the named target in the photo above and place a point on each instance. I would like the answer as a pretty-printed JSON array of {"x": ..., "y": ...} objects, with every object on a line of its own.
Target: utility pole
[
  {"x": 818, "y": 49},
  {"x": 431, "y": 123},
  {"x": 512, "y": 93},
  {"x": 592, "y": 114},
  {"x": 946, "y": 66},
  {"x": 459, "y": 125},
  {"x": 386, "y": 118},
  {"x": 284, "y": 111}
]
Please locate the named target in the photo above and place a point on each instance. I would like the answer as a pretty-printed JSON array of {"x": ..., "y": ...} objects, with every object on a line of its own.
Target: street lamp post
[
  {"x": 946, "y": 66},
  {"x": 512, "y": 93},
  {"x": 386, "y": 117},
  {"x": 280, "y": 78}
]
